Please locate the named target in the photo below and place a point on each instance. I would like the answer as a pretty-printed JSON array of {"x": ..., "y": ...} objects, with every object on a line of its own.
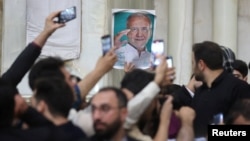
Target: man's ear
[
  {"x": 201, "y": 65},
  {"x": 124, "y": 113},
  {"x": 41, "y": 106},
  {"x": 245, "y": 78},
  {"x": 128, "y": 93}
]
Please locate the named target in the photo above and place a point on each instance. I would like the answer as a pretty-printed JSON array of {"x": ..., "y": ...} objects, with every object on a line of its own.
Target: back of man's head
[
  {"x": 46, "y": 67},
  {"x": 136, "y": 80},
  {"x": 7, "y": 103},
  {"x": 56, "y": 93},
  {"x": 241, "y": 111},
  {"x": 241, "y": 66},
  {"x": 210, "y": 53}
]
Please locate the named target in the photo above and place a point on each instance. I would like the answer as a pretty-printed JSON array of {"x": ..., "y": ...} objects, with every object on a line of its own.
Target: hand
[
  {"x": 117, "y": 38},
  {"x": 106, "y": 62},
  {"x": 49, "y": 28},
  {"x": 128, "y": 67},
  {"x": 20, "y": 105},
  {"x": 160, "y": 71},
  {"x": 193, "y": 84},
  {"x": 167, "y": 109},
  {"x": 50, "y": 24},
  {"x": 169, "y": 76}
]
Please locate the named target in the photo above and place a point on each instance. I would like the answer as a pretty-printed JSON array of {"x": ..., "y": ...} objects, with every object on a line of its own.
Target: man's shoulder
[{"x": 122, "y": 48}]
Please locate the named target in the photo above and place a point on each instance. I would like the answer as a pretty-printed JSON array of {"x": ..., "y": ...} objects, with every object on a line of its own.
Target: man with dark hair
[
  {"x": 134, "y": 51},
  {"x": 136, "y": 80},
  {"x": 12, "y": 106},
  {"x": 53, "y": 66},
  {"x": 240, "y": 69},
  {"x": 109, "y": 111},
  {"x": 219, "y": 90},
  {"x": 53, "y": 97},
  {"x": 239, "y": 113},
  {"x": 47, "y": 67}
]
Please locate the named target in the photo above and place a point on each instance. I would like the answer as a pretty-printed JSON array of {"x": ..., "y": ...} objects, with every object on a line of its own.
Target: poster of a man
[{"x": 133, "y": 34}]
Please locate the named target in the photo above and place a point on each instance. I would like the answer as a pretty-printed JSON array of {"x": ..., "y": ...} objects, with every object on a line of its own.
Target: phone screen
[
  {"x": 67, "y": 15},
  {"x": 157, "y": 48},
  {"x": 106, "y": 43},
  {"x": 218, "y": 119},
  {"x": 169, "y": 61}
]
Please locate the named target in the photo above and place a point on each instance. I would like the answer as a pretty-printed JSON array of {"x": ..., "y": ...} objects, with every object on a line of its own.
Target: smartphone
[
  {"x": 157, "y": 48},
  {"x": 67, "y": 15},
  {"x": 218, "y": 119},
  {"x": 169, "y": 60},
  {"x": 106, "y": 43}
]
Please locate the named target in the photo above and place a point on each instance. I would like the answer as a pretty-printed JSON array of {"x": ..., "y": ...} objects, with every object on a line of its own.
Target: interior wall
[
  {"x": 243, "y": 49},
  {"x": 14, "y": 31},
  {"x": 1, "y": 29}
]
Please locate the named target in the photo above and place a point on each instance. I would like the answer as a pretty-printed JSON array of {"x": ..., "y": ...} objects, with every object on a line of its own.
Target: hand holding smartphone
[
  {"x": 67, "y": 15},
  {"x": 106, "y": 43}
]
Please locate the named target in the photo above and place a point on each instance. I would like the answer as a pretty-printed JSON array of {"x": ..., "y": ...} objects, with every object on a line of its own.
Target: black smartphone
[
  {"x": 106, "y": 43},
  {"x": 169, "y": 60},
  {"x": 157, "y": 48},
  {"x": 67, "y": 15}
]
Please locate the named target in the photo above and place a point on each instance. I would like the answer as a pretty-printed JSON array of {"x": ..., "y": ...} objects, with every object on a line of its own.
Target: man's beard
[
  {"x": 110, "y": 130},
  {"x": 199, "y": 77}
]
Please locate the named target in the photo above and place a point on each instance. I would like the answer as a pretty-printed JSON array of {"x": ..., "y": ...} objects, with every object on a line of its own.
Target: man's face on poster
[{"x": 140, "y": 31}]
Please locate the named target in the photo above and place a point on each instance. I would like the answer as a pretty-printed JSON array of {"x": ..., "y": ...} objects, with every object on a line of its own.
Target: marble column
[
  {"x": 180, "y": 37},
  {"x": 225, "y": 23}
]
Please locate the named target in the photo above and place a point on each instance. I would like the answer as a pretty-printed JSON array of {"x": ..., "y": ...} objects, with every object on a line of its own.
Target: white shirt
[
  {"x": 129, "y": 54},
  {"x": 136, "y": 106}
]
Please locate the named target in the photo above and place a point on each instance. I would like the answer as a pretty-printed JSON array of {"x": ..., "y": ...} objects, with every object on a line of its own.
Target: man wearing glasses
[
  {"x": 109, "y": 111},
  {"x": 133, "y": 52}
]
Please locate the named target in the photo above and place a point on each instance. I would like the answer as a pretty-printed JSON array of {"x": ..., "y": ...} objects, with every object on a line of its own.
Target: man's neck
[
  {"x": 211, "y": 75},
  {"x": 139, "y": 49},
  {"x": 57, "y": 120},
  {"x": 120, "y": 134}
]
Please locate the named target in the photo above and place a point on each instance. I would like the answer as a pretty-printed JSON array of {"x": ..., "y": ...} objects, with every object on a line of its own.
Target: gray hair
[{"x": 139, "y": 15}]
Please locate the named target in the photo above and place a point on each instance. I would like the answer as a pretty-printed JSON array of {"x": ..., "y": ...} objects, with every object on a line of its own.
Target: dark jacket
[{"x": 207, "y": 102}]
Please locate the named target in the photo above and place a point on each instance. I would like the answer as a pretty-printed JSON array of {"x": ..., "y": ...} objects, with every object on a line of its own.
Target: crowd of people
[{"x": 147, "y": 106}]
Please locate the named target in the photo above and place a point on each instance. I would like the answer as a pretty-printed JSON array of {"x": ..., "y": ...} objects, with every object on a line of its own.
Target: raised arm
[
  {"x": 165, "y": 117},
  {"x": 103, "y": 65},
  {"x": 138, "y": 104},
  {"x": 29, "y": 55},
  {"x": 186, "y": 132}
]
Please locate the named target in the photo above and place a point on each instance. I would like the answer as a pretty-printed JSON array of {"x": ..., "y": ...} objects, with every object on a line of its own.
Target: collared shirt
[
  {"x": 129, "y": 54},
  {"x": 208, "y": 102}
]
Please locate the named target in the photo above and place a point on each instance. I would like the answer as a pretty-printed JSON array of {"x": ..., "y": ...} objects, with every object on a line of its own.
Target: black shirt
[{"x": 207, "y": 102}]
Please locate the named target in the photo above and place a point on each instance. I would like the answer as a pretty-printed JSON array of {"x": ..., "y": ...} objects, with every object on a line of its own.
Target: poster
[{"x": 132, "y": 32}]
